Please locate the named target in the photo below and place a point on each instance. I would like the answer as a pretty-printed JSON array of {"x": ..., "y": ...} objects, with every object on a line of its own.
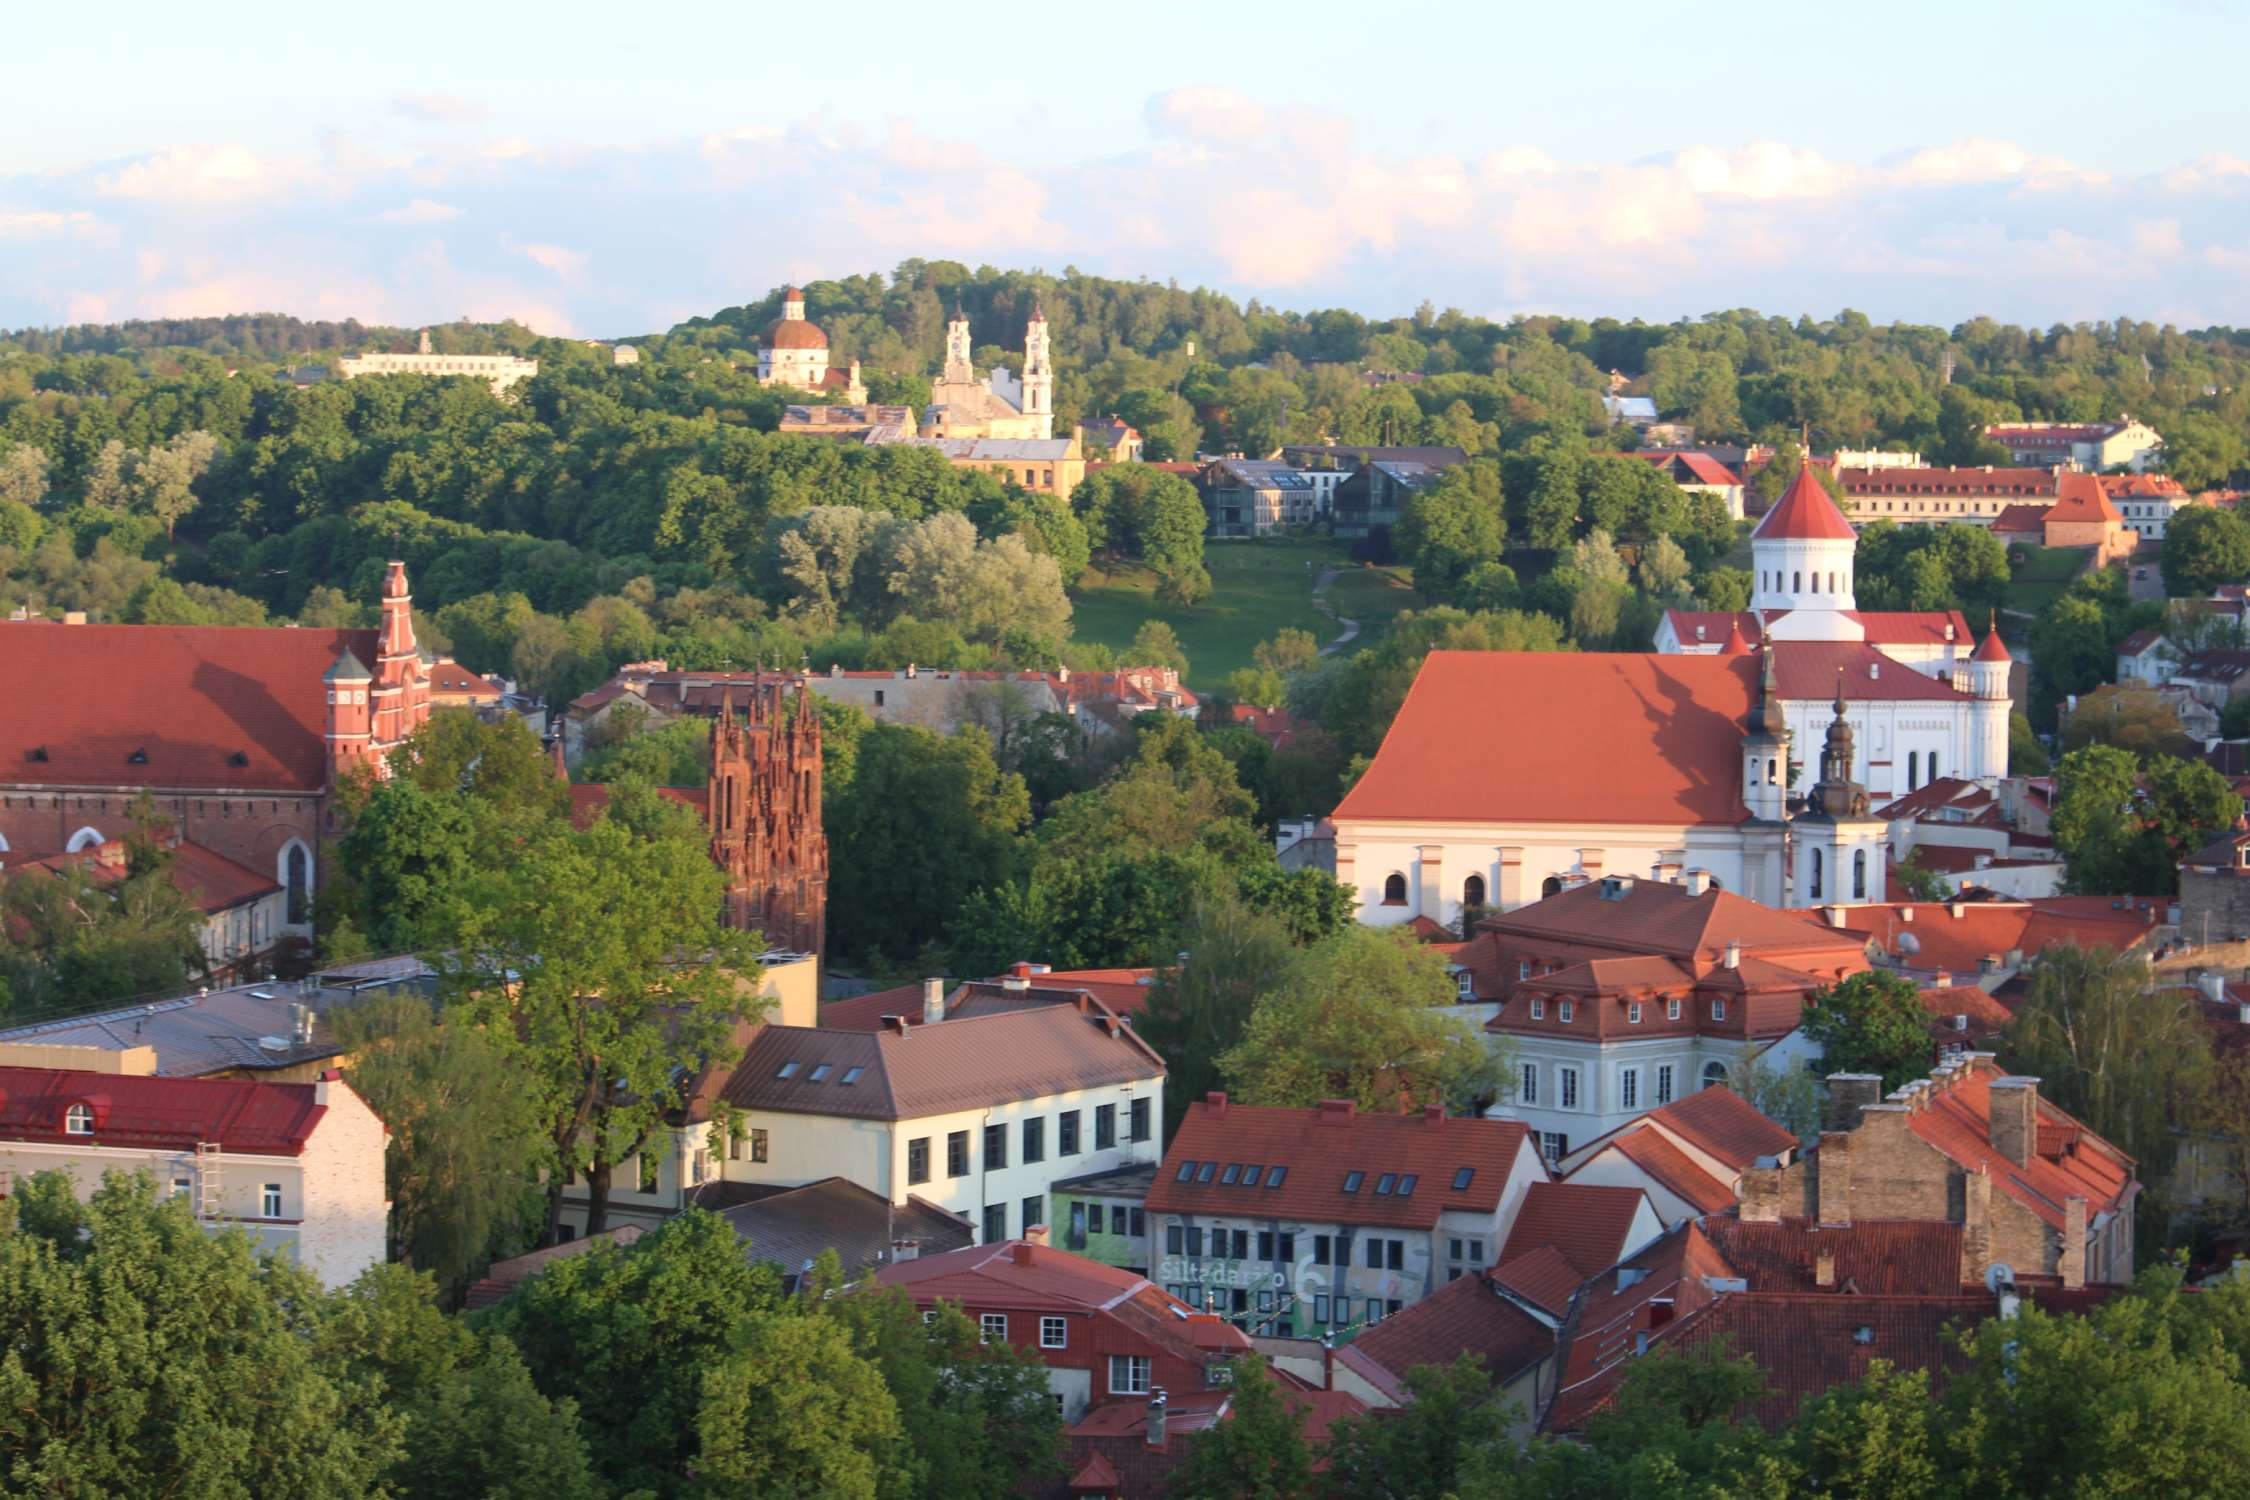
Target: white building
[
  {"x": 500, "y": 371},
  {"x": 297, "y": 1166},
  {"x": 795, "y": 354},
  {"x": 2095, "y": 446}
]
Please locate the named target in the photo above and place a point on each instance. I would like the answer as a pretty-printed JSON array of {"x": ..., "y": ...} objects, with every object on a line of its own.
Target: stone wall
[{"x": 2215, "y": 907}]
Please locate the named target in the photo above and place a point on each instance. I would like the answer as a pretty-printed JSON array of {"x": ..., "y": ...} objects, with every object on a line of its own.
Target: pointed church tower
[
  {"x": 1988, "y": 719},
  {"x": 1765, "y": 748},
  {"x": 958, "y": 369},
  {"x": 1038, "y": 373},
  {"x": 400, "y": 696},
  {"x": 1839, "y": 843}
]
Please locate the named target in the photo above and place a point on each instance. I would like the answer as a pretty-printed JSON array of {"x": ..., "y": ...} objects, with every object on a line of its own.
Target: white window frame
[
  {"x": 1663, "y": 1084},
  {"x": 1632, "y": 1012},
  {"x": 1567, "y": 1091},
  {"x": 1565, "y": 1011},
  {"x": 1672, "y": 1009},
  {"x": 1718, "y": 1009},
  {"x": 269, "y": 1201},
  {"x": 1527, "y": 1083},
  {"x": 1054, "y": 1333},
  {"x": 992, "y": 1326},
  {"x": 1136, "y": 1370},
  {"x": 1523, "y": 968},
  {"x": 1538, "y": 1009},
  {"x": 1628, "y": 1088},
  {"x": 78, "y": 1120}
]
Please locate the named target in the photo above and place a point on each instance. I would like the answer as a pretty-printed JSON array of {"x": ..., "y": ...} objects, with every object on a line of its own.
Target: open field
[
  {"x": 1257, "y": 588},
  {"x": 2042, "y": 577}
]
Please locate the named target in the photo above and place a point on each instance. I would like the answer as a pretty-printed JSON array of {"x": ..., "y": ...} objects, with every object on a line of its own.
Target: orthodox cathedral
[{"x": 1744, "y": 753}]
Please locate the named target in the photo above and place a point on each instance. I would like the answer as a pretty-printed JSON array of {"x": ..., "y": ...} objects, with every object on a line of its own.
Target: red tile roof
[
  {"x": 1926, "y": 627},
  {"x": 190, "y": 697},
  {"x": 2082, "y": 498},
  {"x": 2029, "y": 520},
  {"x": 1468, "y": 1315},
  {"x": 1890, "y": 1257},
  {"x": 1672, "y": 1169},
  {"x": 1542, "y": 1276},
  {"x": 1941, "y": 481},
  {"x": 206, "y": 877},
  {"x": 268, "y": 1119},
  {"x": 1586, "y": 1223},
  {"x": 1319, "y": 1148},
  {"x": 1805, "y": 512},
  {"x": 1724, "y": 1126},
  {"x": 1992, "y": 648},
  {"x": 505, "y": 1276},
  {"x": 1955, "y": 1117},
  {"x": 1670, "y": 728},
  {"x": 1814, "y": 669},
  {"x": 1654, "y": 916},
  {"x": 1959, "y": 936},
  {"x": 449, "y": 679}
]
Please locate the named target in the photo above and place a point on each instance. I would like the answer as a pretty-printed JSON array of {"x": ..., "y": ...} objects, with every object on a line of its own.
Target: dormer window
[
  {"x": 78, "y": 1120},
  {"x": 1718, "y": 1010},
  {"x": 1538, "y": 1009},
  {"x": 1564, "y": 1010}
]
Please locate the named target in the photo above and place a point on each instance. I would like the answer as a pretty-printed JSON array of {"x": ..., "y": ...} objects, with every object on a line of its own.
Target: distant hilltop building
[
  {"x": 500, "y": 371},
  {"x": 1002, "y": 406},
  {"x": 2122, "y": 444},
  {"x": 795, "y": 354}
]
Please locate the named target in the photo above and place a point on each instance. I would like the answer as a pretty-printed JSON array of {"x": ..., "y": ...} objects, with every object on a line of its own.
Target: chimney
[
  {"x": 1035, "y": 1234},
  {"x": 1433, "y": 1115},
  {"x": 896, "y": 1024},
  {"x": 1155, "y": 1437},
  {"x": 1824, "y": 1268},
  {"x": 2214, "y": 985},
  {"x": 933, "y": 1001},
  {"x": 1020, "y": 1252},
  {"x": 1976, "y": 1224},
  {"x": 1832, "y": 1172},
  {"x": 1336, "y": 1111},
  {"x": 1215, "y": 1103},
  {"x": 905, "y": 1250},
  {"x": 2015, "y": 1118},
  {"x": 1848, "y": 1094},
  {"x": 1019, "y": 977},
  {"x": 1760, "y": 1192},
  {"x": 2072, "y": 1263},
  {"x": 1941, "y": 979},
  {"x": 1698, "y": 881},
  {"x": 1733, "y": 958}
]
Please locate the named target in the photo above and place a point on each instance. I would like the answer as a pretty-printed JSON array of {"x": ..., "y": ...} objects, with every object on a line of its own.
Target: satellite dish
[
  {"x": 1999, "y": 1276},
  {"x": 1909, "y": 943}
]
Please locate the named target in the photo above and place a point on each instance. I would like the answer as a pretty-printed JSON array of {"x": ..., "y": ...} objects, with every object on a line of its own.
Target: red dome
[
  {"x": 1992, "y": 649},
  {"x": 1804, "y": 513},
  {"x": 1737, "y": 644},
  {"x": 795, "y": 333}
]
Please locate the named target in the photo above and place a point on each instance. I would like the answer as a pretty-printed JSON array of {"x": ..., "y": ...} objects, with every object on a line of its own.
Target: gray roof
[
  {"x": 348, "y": 668},
  {"x": 1258, "y": 474},
  {"x": 246, "y": 1028},
  {"x": 1118, "y": 1182},
  {"x": 793, "y": 1227}
]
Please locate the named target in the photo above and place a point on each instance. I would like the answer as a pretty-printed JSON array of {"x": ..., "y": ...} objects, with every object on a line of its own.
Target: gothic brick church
[{"x": 238, "y": 732}]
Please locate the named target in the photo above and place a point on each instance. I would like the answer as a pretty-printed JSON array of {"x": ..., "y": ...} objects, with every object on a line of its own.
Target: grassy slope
[
  {"x": 1257, "y": 588},
  {"x": 2044, "y": 574}
]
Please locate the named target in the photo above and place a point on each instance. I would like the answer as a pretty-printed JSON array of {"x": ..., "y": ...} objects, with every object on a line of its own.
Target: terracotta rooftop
[
  {"x": 1724, "y": 1126},
  {"x": 1587, "y": 1224},
  {"x": 1671, "y": 1168},
  {"x": 1880, "y": 627},
  {"x": 1660, "y": 917},
  {"x": 1959, "y": 935},
  {"x": 1955, "y": 1117},
  {"x": 205, "y": 876},
  {"x": 269, "y": 1119},
  {"x": 1541, "y": 1276},
  {"x": 1805, "y": 512},
  {"x": 1466, "y": 1315},
  {"x": 1334, "y": 1164},
  {"x": 2081, "y": 497},
  {"x": 1815, "y": 669}
]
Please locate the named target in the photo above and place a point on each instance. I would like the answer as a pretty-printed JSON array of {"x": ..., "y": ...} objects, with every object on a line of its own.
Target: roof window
[
  {"x": 788, "y": 1069},
  {"x": 1227, "y": 1178},
  {"x": 1406, "y": 1185},
  {"x": 1383, "y": 1184},
  {"x": 1250, "y": 1176},
  {"x": 78, "y": 1120},
  {"x": 1273, "y": 1178},
  {"x": 1352, "y": 1180},
  {"x": 819, "y": 1074},
  {"x": 1204, "y": 1171},
  {"x": 851, "y": 1076},
  {"x": 1186, "y": 1172},
  {"x": 1463, "y": 1178}
]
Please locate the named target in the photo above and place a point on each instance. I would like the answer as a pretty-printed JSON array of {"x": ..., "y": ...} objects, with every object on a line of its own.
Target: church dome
[
  {"x": 795, "y": 333},
  {"x": 1804, "y": 513}
]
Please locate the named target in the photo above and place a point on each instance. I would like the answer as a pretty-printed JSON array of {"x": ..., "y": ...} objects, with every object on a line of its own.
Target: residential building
[
  {"x": 1105, "y": 1335},
  {"x": 976, "y": 1114},
  {"x": 2145, "y": 656},
  {"x": 1636, "y": 411},
  {"x": 1971, "y": 1145},
  {"x": 2213, "y": 678},
  {"x": 245, "y": 912},
  {"x": 2148, "y": 502},
  {"x": 1621, "y": 996},
  {"x": 1110, "y": 440},
  {"x": 790, "y": 1229},
  {"x": 1687, "y": 1156},
  {"x": 1044, "y": 466},
  {"x": 2215, "y": 891},
  {"x": 1938, "y": 495},
  {"x": 2084, "y": 516},
  {"x": 297, "y": 1166},
  {"x": 851, "y": 422},
  {"x": 1697, "y": 473},
  {"x": 1968, "y": 833},
  {"x": 1104, "y": 1216},
  {"x": 1374, "y": 498},
  {"x": 1254, "y": 496},
  {"x": 238, "y": 733},
  {"x": 500, "y": 371},
  {"x": 1996, "y": 937},
  {"x": 1002, "y": 406},
  {"x": 2097, "y": 446},
  {"x": 794, "y": 353},
  {"x": 1289, "y": 1222},
  {"x": 1478, "y": 1313},
  {"x": 1346, "y": 458}
]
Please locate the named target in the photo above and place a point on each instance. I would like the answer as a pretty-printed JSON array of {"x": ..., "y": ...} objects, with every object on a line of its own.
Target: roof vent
[
  {"x": 38, "y": 753},
  {"x": 239, "y": 758},
  {"x": 1863, "y": 1334},
  {"x": 139, "y": 757},
  {"x": 274, "y": 1043}
]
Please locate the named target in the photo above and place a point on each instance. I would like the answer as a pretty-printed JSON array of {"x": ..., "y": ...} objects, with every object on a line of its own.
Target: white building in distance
[{"x": 500, "y": 371}]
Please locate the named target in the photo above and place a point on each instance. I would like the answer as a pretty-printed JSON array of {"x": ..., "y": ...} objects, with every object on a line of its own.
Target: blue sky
[{"x": 607, "y": 169}]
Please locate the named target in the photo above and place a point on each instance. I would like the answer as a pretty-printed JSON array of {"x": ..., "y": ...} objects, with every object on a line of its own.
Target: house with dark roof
[
  {"x": 1294, "y": 1222},
  {"x": 791, "y": 1228},
  {"x": 1253, "y": 496},
  {"x": 1688, "y": 1156},
  {"x": 1374, "y": 496},
  {"x": 296, "y": 1166},
  {"x": 1105, "y": 1335}
]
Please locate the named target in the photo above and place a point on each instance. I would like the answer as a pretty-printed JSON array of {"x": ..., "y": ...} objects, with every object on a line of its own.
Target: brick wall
[{"x": 2214, "y": 908}]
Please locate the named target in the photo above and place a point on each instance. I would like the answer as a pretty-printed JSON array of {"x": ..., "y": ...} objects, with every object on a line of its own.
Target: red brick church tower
[
  {"x": 764, "y": 815},
  {"x": 370, "y": 713}
]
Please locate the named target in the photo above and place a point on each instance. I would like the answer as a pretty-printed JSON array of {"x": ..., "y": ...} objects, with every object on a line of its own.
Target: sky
[{"x": 606, "y": 170}]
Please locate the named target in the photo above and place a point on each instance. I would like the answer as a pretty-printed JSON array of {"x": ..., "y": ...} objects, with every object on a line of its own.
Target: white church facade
[
  {"x": 1003, "y": 405},
  {"x": 1509, "y": 776},
  {"x": 794, "y": 354}
]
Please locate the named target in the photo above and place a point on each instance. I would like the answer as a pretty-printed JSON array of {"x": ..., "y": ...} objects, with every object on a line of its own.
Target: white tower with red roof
[{"x": 1802, "y": 560}]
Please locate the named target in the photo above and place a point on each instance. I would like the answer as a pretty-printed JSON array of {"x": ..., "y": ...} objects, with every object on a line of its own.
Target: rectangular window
[
  {"x": 1564, "y": 1012},
  {"x": 1566, "y": 1087},
  {"x": 1373, "y": 1249},
  {"x": 737, "y": 1147},
  {"x": 1629, "y": 1088},
  {"x": 1288, "y": 1244},
  {"x": 1242, "y": 1244},
  {"x": 1138, "y": 1119},
  {"x": 1527, "y": 1083},
  {"x": 1633, "y": 1013},
  {"x": 1320, "y": 1249},
  {"x": 995, "y": 1223},
  {"x": 1554, "y": 1146},
  {"x": 1128, "y": 1375},
  {"x": 1394, "y": 1255},
  {"x": 994, "y": 1327},
  {"x": 1078, "y": 1222},
  {"x": 918, "y": 1159},
  {"x": 1034, "y": 1140},
  {"x": 182, "y": 1186},
  {"x": 1105, "y": 1126},
  {"x": 1476, "y": 1252},
  {"x": 1718, "y": 1010},
  {"x": 1454, "y": 1250},
  {"x": 995, "y": 1147},
  {"x": 1343, "y": 1310},
  {"x": 1320, "y": 1308},
  {"x": 1140, "y": 1223},
  {"x": 1195, "y": 1239},
  {"x": 1066, "y": 1133},
  {"x": 1671, "y": 1010},
  {"x": 1175, "y": 1240},
  {"x": 1054, "y": 1333},
  {"x": 269, "y": 1201},
  {"x": 758, "y": 1145},
  {"x": 1265, "y": 1244},
  {"x": 1034, "y": 1211},
  {"x": 957, "y": 1154},
  {"x": 1663, "y": 1083},
  {"x": 1391, "y": 1307},
  {"x": 1538, "y": 1008},
  {"x": 1523, "y": 968}
]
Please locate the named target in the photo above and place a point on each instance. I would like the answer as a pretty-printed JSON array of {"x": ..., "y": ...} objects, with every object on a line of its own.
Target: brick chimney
[
  {"x": 1760, "y": 1192},
  {"x": 1824, "y": 1267},
  {"x": 1832, "y": 1169},
  {"x": 1848, "y": 1095},
  {"x": 1035, "y": 1234},
  {"x": 1433, "y": 1115},
  {"x": 1976, "y": 1225},
  {"x": 1337, "y": 1111},
  {"x": 1215, "y": 1104},
  {"x": 933, "y": 1001},
  {"x": 2015, "y": 1118},
  {"x": 2072, "y": 1262},
  {"x": 1020, "y": 1252}
]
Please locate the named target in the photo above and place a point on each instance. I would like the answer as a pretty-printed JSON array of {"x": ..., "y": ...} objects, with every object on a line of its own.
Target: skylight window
[
  {"x": 1462, "y": 1179},
  {"x": 788, "y": 1069},
  {"x": 1273, "y": 1178},
  {"x": 1406, "y": 1185},
  {"x": 819, "y": 1074},
  {"x": 1203, "y": 1172},
  {"x": 1186, "y": 1172},
  {"x": 1250, "y": 1176},
  {"x": 1234, "y": 1170},
  {"x": 851, "y": 1076},
  {"x": 1352, "y": 1180},
  {"x": 1383, "y": 1184}
]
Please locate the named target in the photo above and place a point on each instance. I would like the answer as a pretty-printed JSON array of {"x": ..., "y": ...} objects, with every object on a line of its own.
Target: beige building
[
  {"x": 296, "y": 1166},
  {"x": 1001, "y": 406},
  {"x": 1045, "y": 466},
  {"x": 500, "y": 371},
  {"x": 2099, "y": 446}
]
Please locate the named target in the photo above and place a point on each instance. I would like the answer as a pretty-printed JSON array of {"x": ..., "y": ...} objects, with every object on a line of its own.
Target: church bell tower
[
  {"x": 1838, "y": 842},
  {"x": 1038, "y": 373}
]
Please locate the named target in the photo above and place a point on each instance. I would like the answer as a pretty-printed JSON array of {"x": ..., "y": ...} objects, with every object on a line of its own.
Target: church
[
  {"x": 1002, "y": 406},
  {"x": 1510, "y": 776},
  {"x": 795, "y": 355}
]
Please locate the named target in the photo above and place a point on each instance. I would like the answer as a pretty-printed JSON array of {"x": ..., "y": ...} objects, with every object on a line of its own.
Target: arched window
[
  {"x": 1932, "y": 772},
  {"x": 296, "y": 879},
  {"x": 1551, "y": 886},
  {"x": 85, "y": 838},
  {"x": 1913, "y": 764},
  {"x": 1796, "y": 583},
  {"x": 78, "y": 1120},
  {"x": 1394, "y": 889},
  {"x": 1859, "y": 874},
  {"x": 1714, "y": 1074},
  {"x": 1472, "y": 891},
  {"x": 1773, "y": 771},
  {"x": 1816, "y": 873}
]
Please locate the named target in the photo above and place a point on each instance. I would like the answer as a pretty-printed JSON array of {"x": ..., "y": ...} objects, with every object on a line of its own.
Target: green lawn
[
  {"x": 2039, "y": 580},
  {"x": 1257, "y": 588},
  {"x": 1372, "y": 596}
]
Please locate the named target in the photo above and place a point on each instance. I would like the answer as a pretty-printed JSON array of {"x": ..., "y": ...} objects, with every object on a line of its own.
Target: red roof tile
[
  {"x": 272, "y": 1119},
  {"x": 1959, "y": 936},
  {"x": 1891, "y": 1257},
  {"x": 1723, "y": 1125},
  {"x": 1542, "y": 1276},
  {"x": 1992, "y": 648},
  {"x": 189, "y": 697},
  {"x": 205, "y": 876},
  {"x": 1671, "y": 1168},
  {"x": 1814, "y": 669},
  {"x": 1654, "y": 916},
  {"x": 1926, "y": 627},
  {"x": 1320, "y": 1148},
  {"x": 2083, "y": 499},
  {"x": 1586, "y": 1223},
  {"x": 1468, "y": 1315},
  {"x": 1670, "y": 728},
  {"x": 1956, "y": 1117},
  {"x": 1805, "y": 512}
]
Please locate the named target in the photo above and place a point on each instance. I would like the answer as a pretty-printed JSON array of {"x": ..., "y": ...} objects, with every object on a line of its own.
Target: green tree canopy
[{"x": 1871, "y": 1022}]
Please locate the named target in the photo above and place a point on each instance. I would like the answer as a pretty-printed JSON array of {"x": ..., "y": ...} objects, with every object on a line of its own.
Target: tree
[
  {"x": 166, "y": 476},
  {"x": 1155, "y": 644},
  {"x": 2026, "y": 756},
  {"x": 147, "y": 1357},
  {"x": 2126, "y": 1057},
  {"x": 1669, "y": 1429},
  {"x": 1198, "y": 1007},
  {"x": 79, "y": 942},
  {"x": 23, "y": 475},
  {"x": 406, "y": 850},
  {"x": 2131, "y": 716},
  {"x": 2073, "y": 649},
  {"x": 464, "y": 1134},
  {"x": 1871, "y": 1022},
  {"x": 1257, "y": 1453},
  {"x": 791, "y": 1409},
  {"x": 597, "y": 957},
  {"x": 1878, "y": 1440},
  {"x": 1256, "y": 686},
  {"x": 1362, "y": 1016},
  {"x": 1423, "y": 1447},
  {"x": 2203, "y": 548},
  {"x": 1451, "y": 528},
  {"x": 1919, "y": 882},
  {"x": 1290, "y": 650}
]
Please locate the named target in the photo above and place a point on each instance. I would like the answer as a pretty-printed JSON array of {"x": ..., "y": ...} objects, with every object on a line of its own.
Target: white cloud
[
  {"x": 437, "y": 109},
  {"x": 567, "y": 264},
  {"x": 419, "y": 211},
  {"x": 197, "y": 174},
  {"x": 27, "y": 224}
]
